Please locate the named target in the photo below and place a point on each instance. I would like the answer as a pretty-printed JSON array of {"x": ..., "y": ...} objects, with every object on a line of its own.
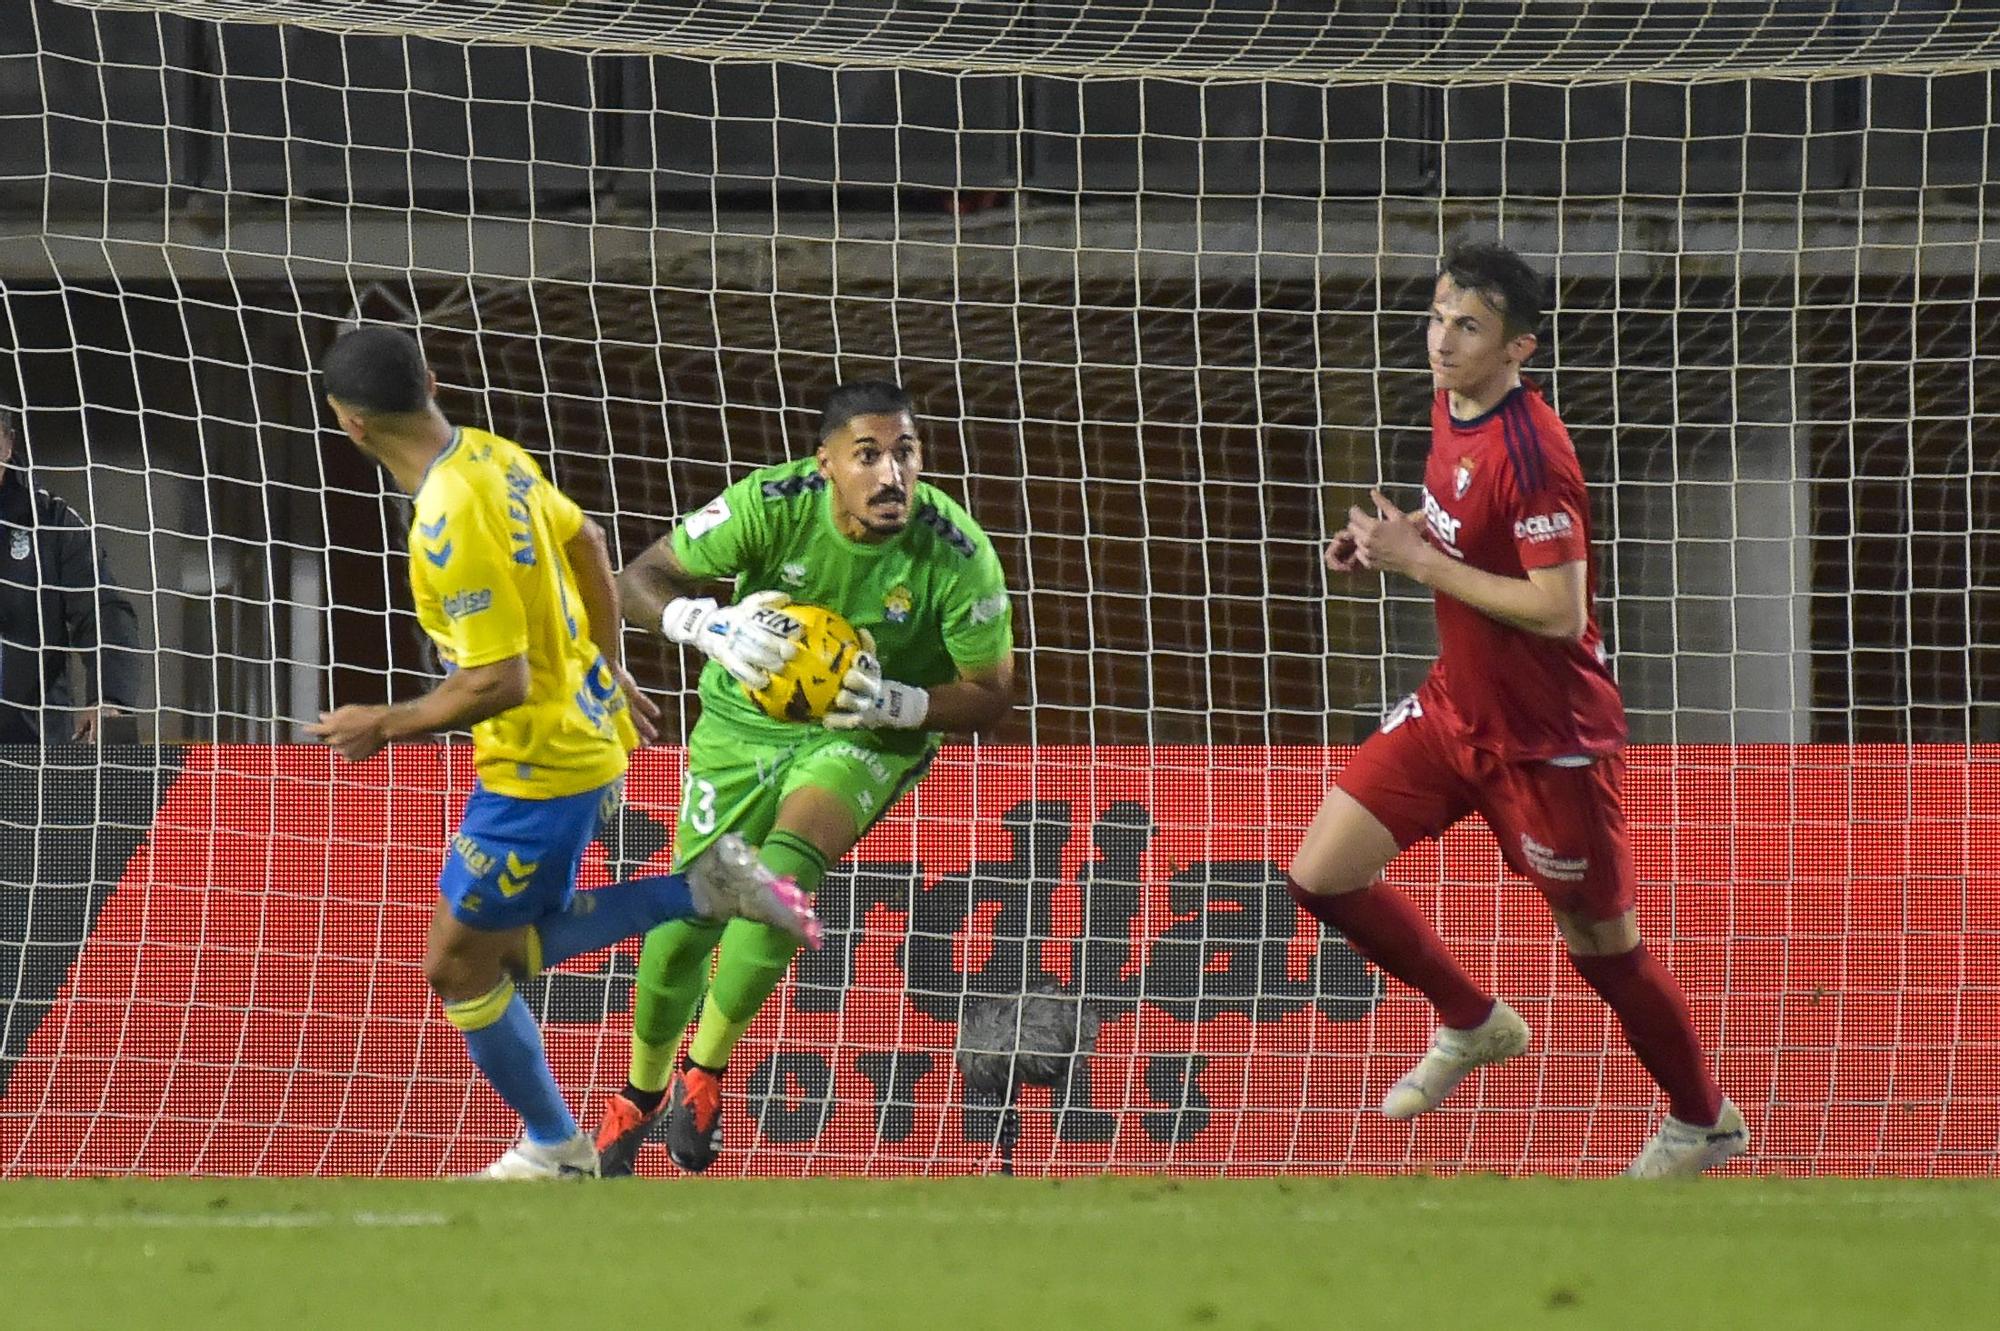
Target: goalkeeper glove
[
  {"x": 750, "y": 639},
  {"x": 867, "y": 701}
]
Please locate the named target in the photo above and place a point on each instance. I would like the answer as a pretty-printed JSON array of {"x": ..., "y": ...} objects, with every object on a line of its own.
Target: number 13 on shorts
[{"x": 698, "y": 804}]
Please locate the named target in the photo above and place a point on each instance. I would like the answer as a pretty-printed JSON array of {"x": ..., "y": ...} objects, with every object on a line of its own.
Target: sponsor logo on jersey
[
  {"x": 1462, "y": 478},
  {"x": 896, "y": 605},
  {"x": 21, "y": 545},
  {"x": 989, "y": 608},
  {"x": 793, "y": 574},
  {"x": 1543, "y": 527},
  {"x": 1443, "y": 525},
  {"x": 1548, "y": 864},
  {"x": 707, "y": 518},
  {"x": 460, "y": 604}
]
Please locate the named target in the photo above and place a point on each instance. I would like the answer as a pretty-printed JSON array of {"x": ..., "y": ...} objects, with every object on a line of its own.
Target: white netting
[
  {"x": 1369, "y": 40},
  {"x": 1155, "y": 281}
]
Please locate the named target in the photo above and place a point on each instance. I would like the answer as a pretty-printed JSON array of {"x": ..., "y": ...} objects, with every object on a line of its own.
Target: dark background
[{"x": 1163, "y": 330}]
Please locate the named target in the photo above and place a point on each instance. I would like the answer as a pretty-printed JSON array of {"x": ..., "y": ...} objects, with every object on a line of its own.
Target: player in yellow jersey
[{"x": 513, "y": 583}]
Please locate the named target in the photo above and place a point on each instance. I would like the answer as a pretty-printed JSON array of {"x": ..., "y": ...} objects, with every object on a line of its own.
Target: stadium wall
[{"x": 214, "y": 957}]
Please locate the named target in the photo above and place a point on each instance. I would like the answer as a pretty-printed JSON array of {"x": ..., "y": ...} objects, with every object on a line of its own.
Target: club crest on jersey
[
  {"x": 793, "y": 574},
  {"x": 1462, "y": 478},
  {"x": 896, "y": 605},
  {"x": 21, "y": 545}
]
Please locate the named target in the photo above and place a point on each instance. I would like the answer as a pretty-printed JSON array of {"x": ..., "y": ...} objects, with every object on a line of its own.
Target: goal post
[{"x": 1155, "y": 275}]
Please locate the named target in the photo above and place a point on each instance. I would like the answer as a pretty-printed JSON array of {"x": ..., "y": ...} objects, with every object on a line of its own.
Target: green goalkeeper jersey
[{"x": 933, "y": 596}]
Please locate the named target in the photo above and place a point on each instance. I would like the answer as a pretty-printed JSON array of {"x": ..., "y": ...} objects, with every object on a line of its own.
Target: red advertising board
[{"x": 248, "y": 999}]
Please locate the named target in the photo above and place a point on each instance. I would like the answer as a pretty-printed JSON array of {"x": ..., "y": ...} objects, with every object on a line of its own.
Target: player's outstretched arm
[
  {"x": 590, "y": 563},
  {"x": 653, "y": 581},
  {"x": 467, "y": 696}
]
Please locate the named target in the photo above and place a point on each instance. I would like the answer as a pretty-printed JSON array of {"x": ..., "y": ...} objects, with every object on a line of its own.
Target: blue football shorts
[{"x": 515, "y": 860}]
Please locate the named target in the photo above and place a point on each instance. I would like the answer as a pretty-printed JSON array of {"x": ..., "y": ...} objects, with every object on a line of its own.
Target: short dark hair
[
  {"x": 1503, "y": 279},
  {"x": 377, "y": 369},
  {"x": 862, "y": 397}
]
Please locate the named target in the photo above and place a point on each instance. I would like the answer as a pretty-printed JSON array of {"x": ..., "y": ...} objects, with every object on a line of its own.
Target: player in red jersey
[{"x": 1520, "y": 720}]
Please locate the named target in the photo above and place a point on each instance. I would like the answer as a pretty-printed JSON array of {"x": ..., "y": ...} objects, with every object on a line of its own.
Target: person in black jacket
[{"x": 56, "y": 598}]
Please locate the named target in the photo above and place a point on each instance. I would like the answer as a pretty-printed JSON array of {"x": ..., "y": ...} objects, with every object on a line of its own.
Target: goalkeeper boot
[
  {"x": 730, "y": 880},
  {"x": 575, "y": 1158},
  {"x": 621, "y": 1134},
  {"x": 1683, "y": 1149},
  {"x": 694, "y": 1118},
  {"x": 1453, "y": 1054}
]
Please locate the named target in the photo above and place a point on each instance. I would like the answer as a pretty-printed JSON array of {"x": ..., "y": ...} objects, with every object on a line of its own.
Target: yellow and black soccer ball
[{"x": 805, "y": 689}]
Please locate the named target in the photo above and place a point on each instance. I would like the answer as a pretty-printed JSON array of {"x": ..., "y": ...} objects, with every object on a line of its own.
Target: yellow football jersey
[{"x": 492, "y": 579}]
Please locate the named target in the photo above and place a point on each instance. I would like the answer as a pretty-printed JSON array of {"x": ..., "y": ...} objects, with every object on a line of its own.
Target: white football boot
[
  {"x": 575, "y": 1158},
  {"x": 1681, "y": 1150},
  {"x": 1453, "y": 1054},
  {"x": 728, "y": 879}
]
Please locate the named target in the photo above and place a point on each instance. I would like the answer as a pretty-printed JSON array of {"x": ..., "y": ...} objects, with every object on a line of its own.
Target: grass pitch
[{"x": 1018, "y": 1255}]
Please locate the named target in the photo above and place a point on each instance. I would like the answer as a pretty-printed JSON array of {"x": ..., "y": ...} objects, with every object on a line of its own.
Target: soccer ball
[{"x": 805, "y": 689}]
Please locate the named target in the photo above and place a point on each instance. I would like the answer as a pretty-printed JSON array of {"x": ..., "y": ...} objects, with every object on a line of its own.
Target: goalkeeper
[{"x": 850, "y": 529}]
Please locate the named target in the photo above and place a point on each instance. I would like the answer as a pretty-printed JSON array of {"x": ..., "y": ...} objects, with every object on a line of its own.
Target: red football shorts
[{"x": 1560, "y": 827}]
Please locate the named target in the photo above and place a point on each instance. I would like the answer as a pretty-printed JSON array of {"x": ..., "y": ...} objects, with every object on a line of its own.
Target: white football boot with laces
[
  {"x": 1453, "y": 1054},
  {"x": 1680, "y": 1150},
  {"x": 575, "y": 1158}
]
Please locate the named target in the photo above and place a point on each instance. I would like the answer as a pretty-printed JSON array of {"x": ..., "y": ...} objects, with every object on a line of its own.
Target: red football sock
[
  {"x": 1385, "y": 927},
  {"x": 1650, "y": 1006}
]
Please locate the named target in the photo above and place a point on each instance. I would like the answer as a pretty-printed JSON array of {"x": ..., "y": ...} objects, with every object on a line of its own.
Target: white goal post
[{"x": 1154, "y": 273}]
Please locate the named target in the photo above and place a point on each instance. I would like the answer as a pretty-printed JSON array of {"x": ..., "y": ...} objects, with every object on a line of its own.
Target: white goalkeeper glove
[
  {"x": 749, "y": 639},
  {"x": 867, "y": 701}
]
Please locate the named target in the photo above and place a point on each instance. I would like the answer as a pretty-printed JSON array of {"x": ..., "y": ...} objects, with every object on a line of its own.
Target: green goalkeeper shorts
[{"x": 736, "y": 784}]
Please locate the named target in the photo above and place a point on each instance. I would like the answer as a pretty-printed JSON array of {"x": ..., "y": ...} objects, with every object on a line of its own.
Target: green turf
[{"x": 1470, "y": 1253}]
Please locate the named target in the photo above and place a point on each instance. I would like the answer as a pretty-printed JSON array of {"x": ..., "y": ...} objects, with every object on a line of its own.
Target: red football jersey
[{"x": 1504, "y": 493}]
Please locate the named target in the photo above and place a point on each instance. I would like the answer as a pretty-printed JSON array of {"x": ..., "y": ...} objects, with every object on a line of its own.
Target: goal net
[{"x": 1156, "y": 275}]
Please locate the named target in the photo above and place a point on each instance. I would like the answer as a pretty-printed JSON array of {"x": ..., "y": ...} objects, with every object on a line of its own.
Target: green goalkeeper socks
[
  {"x": 788, "y": 854},
  {"x": 754, "y": 957},
  {"x": 673, "y": 969},
  {"x": 673, "y": 966}
]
